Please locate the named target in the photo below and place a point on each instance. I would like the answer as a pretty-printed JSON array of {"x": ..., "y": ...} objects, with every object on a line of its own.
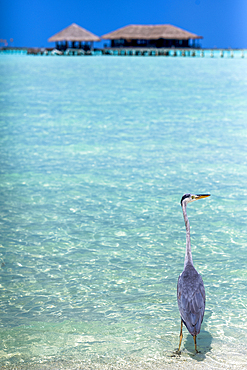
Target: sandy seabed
[{"x": 174, "y": 363}]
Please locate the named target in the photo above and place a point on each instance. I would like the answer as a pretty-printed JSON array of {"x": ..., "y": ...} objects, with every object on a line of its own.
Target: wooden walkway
[
  {"x": 175, "y": 52},
  {"x": 227, "y": 53}
]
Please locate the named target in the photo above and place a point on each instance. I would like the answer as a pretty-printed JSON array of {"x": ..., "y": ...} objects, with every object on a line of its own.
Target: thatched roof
[
  {"x": 139, "y": 32},
  {"x": 74, "y": 33}
]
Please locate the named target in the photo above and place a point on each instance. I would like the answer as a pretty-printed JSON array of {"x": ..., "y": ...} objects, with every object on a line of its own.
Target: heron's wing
[{"x": 191, "y": 303}]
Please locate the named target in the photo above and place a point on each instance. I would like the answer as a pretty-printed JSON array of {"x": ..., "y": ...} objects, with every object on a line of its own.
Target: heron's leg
[
  {"x": 194, "y": 337},
  {"x": 181, "y": 335}
]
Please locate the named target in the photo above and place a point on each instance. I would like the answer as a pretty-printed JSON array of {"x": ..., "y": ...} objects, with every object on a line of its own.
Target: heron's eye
[{"x": 193, "y": 197}]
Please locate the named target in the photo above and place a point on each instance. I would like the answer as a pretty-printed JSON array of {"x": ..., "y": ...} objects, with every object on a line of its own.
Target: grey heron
[{"x": 190, "y": 288}]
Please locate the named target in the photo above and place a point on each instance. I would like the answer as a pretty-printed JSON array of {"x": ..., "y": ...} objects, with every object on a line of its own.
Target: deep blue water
[{"x": 95, "y": 154}]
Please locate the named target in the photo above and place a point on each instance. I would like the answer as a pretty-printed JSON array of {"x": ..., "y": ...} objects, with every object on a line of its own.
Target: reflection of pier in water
[{"x": 171, "y": 52}]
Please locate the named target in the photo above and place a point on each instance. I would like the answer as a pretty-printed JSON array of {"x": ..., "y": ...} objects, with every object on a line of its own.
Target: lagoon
[{"x": 95, "y": 155}]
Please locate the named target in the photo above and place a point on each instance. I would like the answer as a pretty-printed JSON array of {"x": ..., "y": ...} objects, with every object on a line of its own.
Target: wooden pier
[
  {"x": 174, "y": 52},
  {"x": 165, "y": 52}
]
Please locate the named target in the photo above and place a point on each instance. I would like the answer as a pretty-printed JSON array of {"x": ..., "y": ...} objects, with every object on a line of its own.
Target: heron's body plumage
[{"x": 191, "y": 299}]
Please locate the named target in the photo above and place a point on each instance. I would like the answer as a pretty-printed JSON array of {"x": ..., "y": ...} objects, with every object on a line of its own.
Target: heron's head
[{"x": 188, "y": 198}]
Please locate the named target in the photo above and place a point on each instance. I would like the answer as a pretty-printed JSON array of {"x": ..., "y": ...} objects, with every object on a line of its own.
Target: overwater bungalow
[
  {"x": 74, "y": 37},
  {"x": 153, "y": 36}
]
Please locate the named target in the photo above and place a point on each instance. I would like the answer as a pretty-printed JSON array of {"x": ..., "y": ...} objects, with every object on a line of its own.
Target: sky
[{"x": 29, "y": 23}]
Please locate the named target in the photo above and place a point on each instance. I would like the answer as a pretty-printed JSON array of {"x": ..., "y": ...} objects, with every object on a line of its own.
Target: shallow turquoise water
[{"x": 95, "y": 155}]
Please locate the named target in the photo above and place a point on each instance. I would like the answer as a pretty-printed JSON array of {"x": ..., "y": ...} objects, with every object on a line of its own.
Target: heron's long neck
[{"x": 188, "y": 255}]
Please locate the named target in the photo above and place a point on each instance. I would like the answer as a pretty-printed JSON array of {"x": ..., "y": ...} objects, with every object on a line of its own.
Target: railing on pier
[{"x": 212, "y": 53}]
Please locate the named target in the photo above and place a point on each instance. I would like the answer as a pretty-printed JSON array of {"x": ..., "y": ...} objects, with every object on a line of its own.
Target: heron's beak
[{"x": 200, "y": 196}]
